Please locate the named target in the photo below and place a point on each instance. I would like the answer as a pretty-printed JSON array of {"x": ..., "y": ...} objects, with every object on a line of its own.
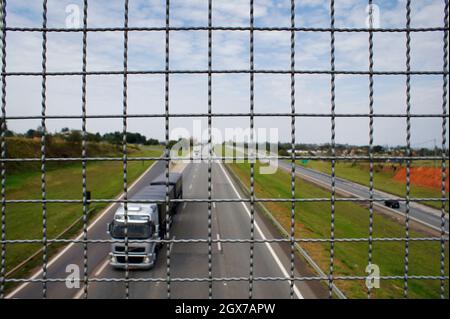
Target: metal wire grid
[
  {"x": 444, "y": 142},
  {"x": 84, "y": 162},
  {"x": 333, "y": 149},
  {"x": 252, "y": 164},
  {"x": 252, "y": 200},
  {"x": 371, "y": 140},
  {"x": 167, "y": 119},
  {"x": 3, "y": 152}
]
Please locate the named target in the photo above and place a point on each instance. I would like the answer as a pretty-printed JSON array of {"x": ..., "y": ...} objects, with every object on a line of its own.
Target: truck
[
  {"x": 175, "y": 180},
  {"x": 145, "y": 221}
]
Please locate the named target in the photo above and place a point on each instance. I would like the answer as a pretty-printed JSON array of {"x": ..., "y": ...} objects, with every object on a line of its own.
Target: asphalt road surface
[
  {"x": 187, "y": 260},
  {"x": 426, "y": 215}
]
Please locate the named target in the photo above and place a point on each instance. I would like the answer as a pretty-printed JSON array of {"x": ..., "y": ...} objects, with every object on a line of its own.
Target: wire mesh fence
[{"x": 324, "y": 275}]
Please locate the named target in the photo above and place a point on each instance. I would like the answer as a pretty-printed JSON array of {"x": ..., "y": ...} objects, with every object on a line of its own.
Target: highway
[
  {"x": 187, "y": 260},
  {"x": 426, "y": 215}
]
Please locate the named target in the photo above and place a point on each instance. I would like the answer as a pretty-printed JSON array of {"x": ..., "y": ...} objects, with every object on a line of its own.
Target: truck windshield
[{"x": 134, "y": 231}]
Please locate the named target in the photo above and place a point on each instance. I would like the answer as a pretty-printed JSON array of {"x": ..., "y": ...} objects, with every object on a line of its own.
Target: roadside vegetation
[
  {"x": 390, "y": 177},
  {"x": 63, "y": 181},
  {"x": 313, "y": 220}
]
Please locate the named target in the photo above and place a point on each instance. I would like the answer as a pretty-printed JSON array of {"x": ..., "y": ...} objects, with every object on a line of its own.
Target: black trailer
[{"x": 175, "y": 180}]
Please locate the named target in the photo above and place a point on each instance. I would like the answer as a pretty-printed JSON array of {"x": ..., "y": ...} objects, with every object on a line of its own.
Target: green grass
[
  {"x": 351, "y": 221},
  {"x": 383, "y": 180},
  {"x": 24, "y": 220}
]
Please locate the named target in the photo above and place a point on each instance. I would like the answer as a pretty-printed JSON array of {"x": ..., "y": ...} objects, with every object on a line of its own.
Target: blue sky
[{"x": 188, "y": 50}]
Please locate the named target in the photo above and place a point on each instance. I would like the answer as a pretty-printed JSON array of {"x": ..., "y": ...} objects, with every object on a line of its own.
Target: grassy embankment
[
  {"x": 63, "y": 181},
  {"x": 383, "y": 178},
  {"x": 351, "y": 221}
]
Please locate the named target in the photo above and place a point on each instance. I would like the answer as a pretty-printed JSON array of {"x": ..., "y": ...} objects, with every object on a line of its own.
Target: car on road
[{"x": 392, "y": 203}]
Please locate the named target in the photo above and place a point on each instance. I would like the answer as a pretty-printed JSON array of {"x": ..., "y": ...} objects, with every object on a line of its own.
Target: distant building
[{"x": 299, "y": 152}]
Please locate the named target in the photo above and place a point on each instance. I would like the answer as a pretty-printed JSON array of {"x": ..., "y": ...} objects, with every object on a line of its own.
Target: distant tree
[
  {"x": 131, "y": 138},
  {"x": 9, "y": 133},
  {"x": 29, "y": 133},
  {"x": 74, "y": 137},
  {"x": 136, "y": 138},
  {"x": 151, "y": 141},
  {"x": 40, "y": 131},
  {"x": 283, "y": 152},
  {"x": 171, "y": 143},
  {"x": 427, "y": 151},
  {"x": 94, "y": 137},
  {"x": 113, "y": 138},
  {"x": 378, "y": 149},
  {"x": 4, "y": 126}
]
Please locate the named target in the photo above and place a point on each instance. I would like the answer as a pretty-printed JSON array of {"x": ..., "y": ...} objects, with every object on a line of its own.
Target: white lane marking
[
  {"x": 219, "y": 244},
  {"x": 190, "y": 187},
  {"x": 214, "y": 204},
  {"x": 184, "y": 205},
  {"x": 258, "y": 229},
  {"x": 79, "y": 293},
  {"x": 51, "y": 262},
  {"x": 352, "y": 194},
  {"x": 102, "y": 267},
  {"x": 380, "y": 206},
  {"x": 171, "y": 245}
]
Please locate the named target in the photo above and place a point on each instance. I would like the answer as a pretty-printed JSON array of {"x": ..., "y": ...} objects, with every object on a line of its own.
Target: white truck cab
[{"x": 142, "y": 224}]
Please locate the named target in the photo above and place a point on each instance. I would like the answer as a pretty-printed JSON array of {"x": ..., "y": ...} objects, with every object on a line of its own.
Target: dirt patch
[{"x": 423, "y": 176}]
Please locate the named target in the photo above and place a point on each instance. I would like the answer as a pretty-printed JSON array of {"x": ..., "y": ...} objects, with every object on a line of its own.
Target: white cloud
[{"x": 189, "y": 50}]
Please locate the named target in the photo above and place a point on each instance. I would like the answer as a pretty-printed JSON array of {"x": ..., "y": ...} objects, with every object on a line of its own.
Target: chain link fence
[{"x": 326, "y": 276}]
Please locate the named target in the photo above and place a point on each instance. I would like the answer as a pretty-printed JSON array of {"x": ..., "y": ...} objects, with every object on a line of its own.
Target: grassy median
[
  {"x": 24, "y": 221},
  {"x": 383, "y": 178},
  {"x": 351, "y": 221}
]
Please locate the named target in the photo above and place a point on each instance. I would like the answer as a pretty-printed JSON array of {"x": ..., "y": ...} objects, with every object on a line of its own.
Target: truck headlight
[{"x": 146, "y": 260}]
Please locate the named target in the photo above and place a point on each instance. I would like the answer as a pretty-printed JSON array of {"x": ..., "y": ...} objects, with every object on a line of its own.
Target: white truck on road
[{"x": 144, "y": 221}]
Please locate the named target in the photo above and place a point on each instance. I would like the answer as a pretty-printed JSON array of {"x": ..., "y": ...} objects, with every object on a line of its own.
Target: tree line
[{"x": 76, "y": 136}]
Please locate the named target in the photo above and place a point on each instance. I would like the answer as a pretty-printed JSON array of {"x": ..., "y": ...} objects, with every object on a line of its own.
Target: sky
[{"x": 230, "y": 50}]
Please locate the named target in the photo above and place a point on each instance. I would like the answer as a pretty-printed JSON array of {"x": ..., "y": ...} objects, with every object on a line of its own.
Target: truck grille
[
  {"x": 131, "y": 260},
  {"x": 130, "y": 249}
]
